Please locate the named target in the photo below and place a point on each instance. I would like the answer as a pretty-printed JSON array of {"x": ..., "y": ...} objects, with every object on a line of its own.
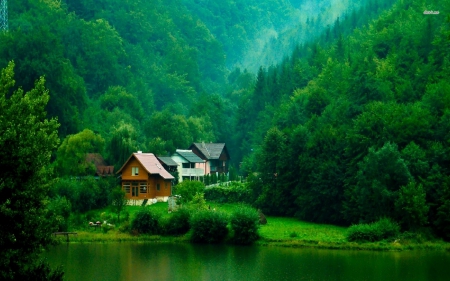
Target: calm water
[{"x": 136, "y": 261}]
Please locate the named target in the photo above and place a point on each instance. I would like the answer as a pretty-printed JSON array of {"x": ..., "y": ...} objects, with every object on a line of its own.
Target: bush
[
  {"x": 235, "y": 193},
  {"x": 59, "y": 210},
  {"x": 382, "y": 229},
  {"x": 245, "y": 224},
  {"x": 178, "y": 223},
  {"x": 146, "y": 221},
  {"x": 125, "y": 227},
  {"x": 106, "y": 228},
  {"x": 198, "y": 202},
  {"x": 187, "y": 190},
  {"x": 208, "y": 226}
]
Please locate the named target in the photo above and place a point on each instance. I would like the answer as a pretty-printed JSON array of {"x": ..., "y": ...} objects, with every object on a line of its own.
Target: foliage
[
  {"x": 118, "y": 201},
  {"x": 376, "y": 231},
  {"x": 411, "y": 207},
  {"x": 178, "y": 223},
  {"x": 27, "y": 139},
  {"x": 236, "y": 192},
  {"x": 86, "y": 193},
  {"x": 208, "y": 226},
  {"x": 60, "y": 209},
  {"x": 379, "y": 178},
  {"x": 188, "y": 189},
  {"x": 198, "y": 202},
  {"x": 244, "y": 224},
  {"x": 146, "y": 221},
  {"x": 72, "y": 154},
  {"x": 122, "y": 143}
]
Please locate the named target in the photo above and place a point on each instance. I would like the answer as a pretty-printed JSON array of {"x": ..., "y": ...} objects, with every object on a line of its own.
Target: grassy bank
[{"x": 279, "y": 231}]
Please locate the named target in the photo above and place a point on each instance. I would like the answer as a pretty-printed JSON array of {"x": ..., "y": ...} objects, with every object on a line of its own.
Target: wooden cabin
[{"x": 143, "y": 177}]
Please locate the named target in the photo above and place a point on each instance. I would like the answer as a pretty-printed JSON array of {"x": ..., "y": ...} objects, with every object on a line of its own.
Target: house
[
  {"x": 190, "y": 166},
  {"x": 215, "y": 155},
  {"x": 143, "y": 177},
  {"x": 168, "y": 163},
  {"x": 101, "y": 168}
]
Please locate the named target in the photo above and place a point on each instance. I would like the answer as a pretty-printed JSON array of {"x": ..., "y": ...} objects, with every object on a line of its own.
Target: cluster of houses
[{"x": 145, "y": 176}]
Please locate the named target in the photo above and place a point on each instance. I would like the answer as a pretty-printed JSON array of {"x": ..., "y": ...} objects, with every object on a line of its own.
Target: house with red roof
[{"x": 143, "y": 177}]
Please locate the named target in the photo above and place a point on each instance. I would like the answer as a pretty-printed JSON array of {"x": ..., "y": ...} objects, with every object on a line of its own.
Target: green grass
[
  {"x": 279, "y": 228},
  {"x": 279, "y": 231}
]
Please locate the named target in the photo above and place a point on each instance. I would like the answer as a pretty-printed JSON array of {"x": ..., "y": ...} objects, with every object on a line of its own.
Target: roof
[
  {"x": 105, "y": 170},
  {"x": 168, "y": 161},
  {"x": 210, "y": 150},
  {"x": 190, "y": 156},
  {"x": 150, "y": 164},
  {"x": 101, "y": 167}
]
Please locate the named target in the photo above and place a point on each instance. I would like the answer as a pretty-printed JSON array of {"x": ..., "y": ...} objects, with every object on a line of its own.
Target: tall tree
[
  {"x": 72, "y": 153},
  {"x": 27, "y": 139}
]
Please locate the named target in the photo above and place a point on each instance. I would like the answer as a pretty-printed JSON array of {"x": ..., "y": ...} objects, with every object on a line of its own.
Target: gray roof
[
  {"x": 168, "y": 161},
  {"x": 210, "y": 150},
  {"x": 189, "y": 156}
]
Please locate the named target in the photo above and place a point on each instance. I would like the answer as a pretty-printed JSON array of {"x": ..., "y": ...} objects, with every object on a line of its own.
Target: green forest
[{"x": 334, "y": 111}]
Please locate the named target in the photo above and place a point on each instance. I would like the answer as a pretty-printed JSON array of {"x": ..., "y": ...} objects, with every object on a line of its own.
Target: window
[
  {"x": 126, "y": 187},
  {"x": 135, "y": 171},
  {"x": 143, "y": 187},
  {"x": 157, "y": 187}
]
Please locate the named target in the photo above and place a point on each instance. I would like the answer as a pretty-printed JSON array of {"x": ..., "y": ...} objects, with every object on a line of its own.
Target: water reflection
[{"x": 141, "y": 261}]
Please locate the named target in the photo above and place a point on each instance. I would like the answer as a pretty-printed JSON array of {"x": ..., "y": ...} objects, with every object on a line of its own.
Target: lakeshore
[{"x": 278, "y": 232}]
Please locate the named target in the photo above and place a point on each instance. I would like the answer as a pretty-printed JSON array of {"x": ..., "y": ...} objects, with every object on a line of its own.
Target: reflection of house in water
[
  {"x": 101, "y": 168},
  {"x": 215, "y": 155},
  {"x": 143, "y": 177},
  {"x": 190, "y": 166}
]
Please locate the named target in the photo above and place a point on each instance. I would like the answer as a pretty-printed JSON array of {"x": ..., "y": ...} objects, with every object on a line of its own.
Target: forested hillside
[
  {"x": 143, "y": 75},
  {"x": 365, "y": 132},
  {"x": 338, "y": 111}
]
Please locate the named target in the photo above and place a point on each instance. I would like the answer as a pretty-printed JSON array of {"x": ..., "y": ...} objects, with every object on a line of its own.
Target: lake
[{"x": 161, "y": 261}]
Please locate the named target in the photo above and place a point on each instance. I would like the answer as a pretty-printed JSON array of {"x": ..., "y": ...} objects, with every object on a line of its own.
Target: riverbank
[{"x": 279, "y": 232}]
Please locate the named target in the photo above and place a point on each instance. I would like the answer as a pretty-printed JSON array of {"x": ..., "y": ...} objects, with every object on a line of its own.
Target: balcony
[{"x": 192, "y": 172}]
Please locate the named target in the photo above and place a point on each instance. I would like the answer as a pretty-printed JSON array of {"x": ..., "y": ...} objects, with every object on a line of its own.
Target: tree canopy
[{"x": 27, "y": 140}]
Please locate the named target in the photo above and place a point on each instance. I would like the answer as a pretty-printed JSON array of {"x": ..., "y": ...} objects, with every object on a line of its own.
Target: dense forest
[
  {"x": 365, "y": 132},
  {"x": 335, "y": 111}
]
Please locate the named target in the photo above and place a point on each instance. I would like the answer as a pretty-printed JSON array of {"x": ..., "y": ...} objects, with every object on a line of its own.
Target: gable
[
  {"x": 211, "y": 151},
  {"x": 145, "y": 162}
]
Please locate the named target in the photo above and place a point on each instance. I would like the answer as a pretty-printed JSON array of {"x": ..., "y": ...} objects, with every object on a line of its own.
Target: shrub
[
  {"x": 59, "y": 213},
  {"x": 208, "y": 226},
  {"x": 198, "y": 202},
  {"x": 178, "y": 223},
  {"x": 244, "y": 224},
  {"x": 125, "y": 227},
  {"x": 187, "y": 190},
  {"x": 146, "y": 221},
  {"x": 382, "y": 229},
  {"x": 106, "y": 228},
  {"x": 235, "y": 193}
]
